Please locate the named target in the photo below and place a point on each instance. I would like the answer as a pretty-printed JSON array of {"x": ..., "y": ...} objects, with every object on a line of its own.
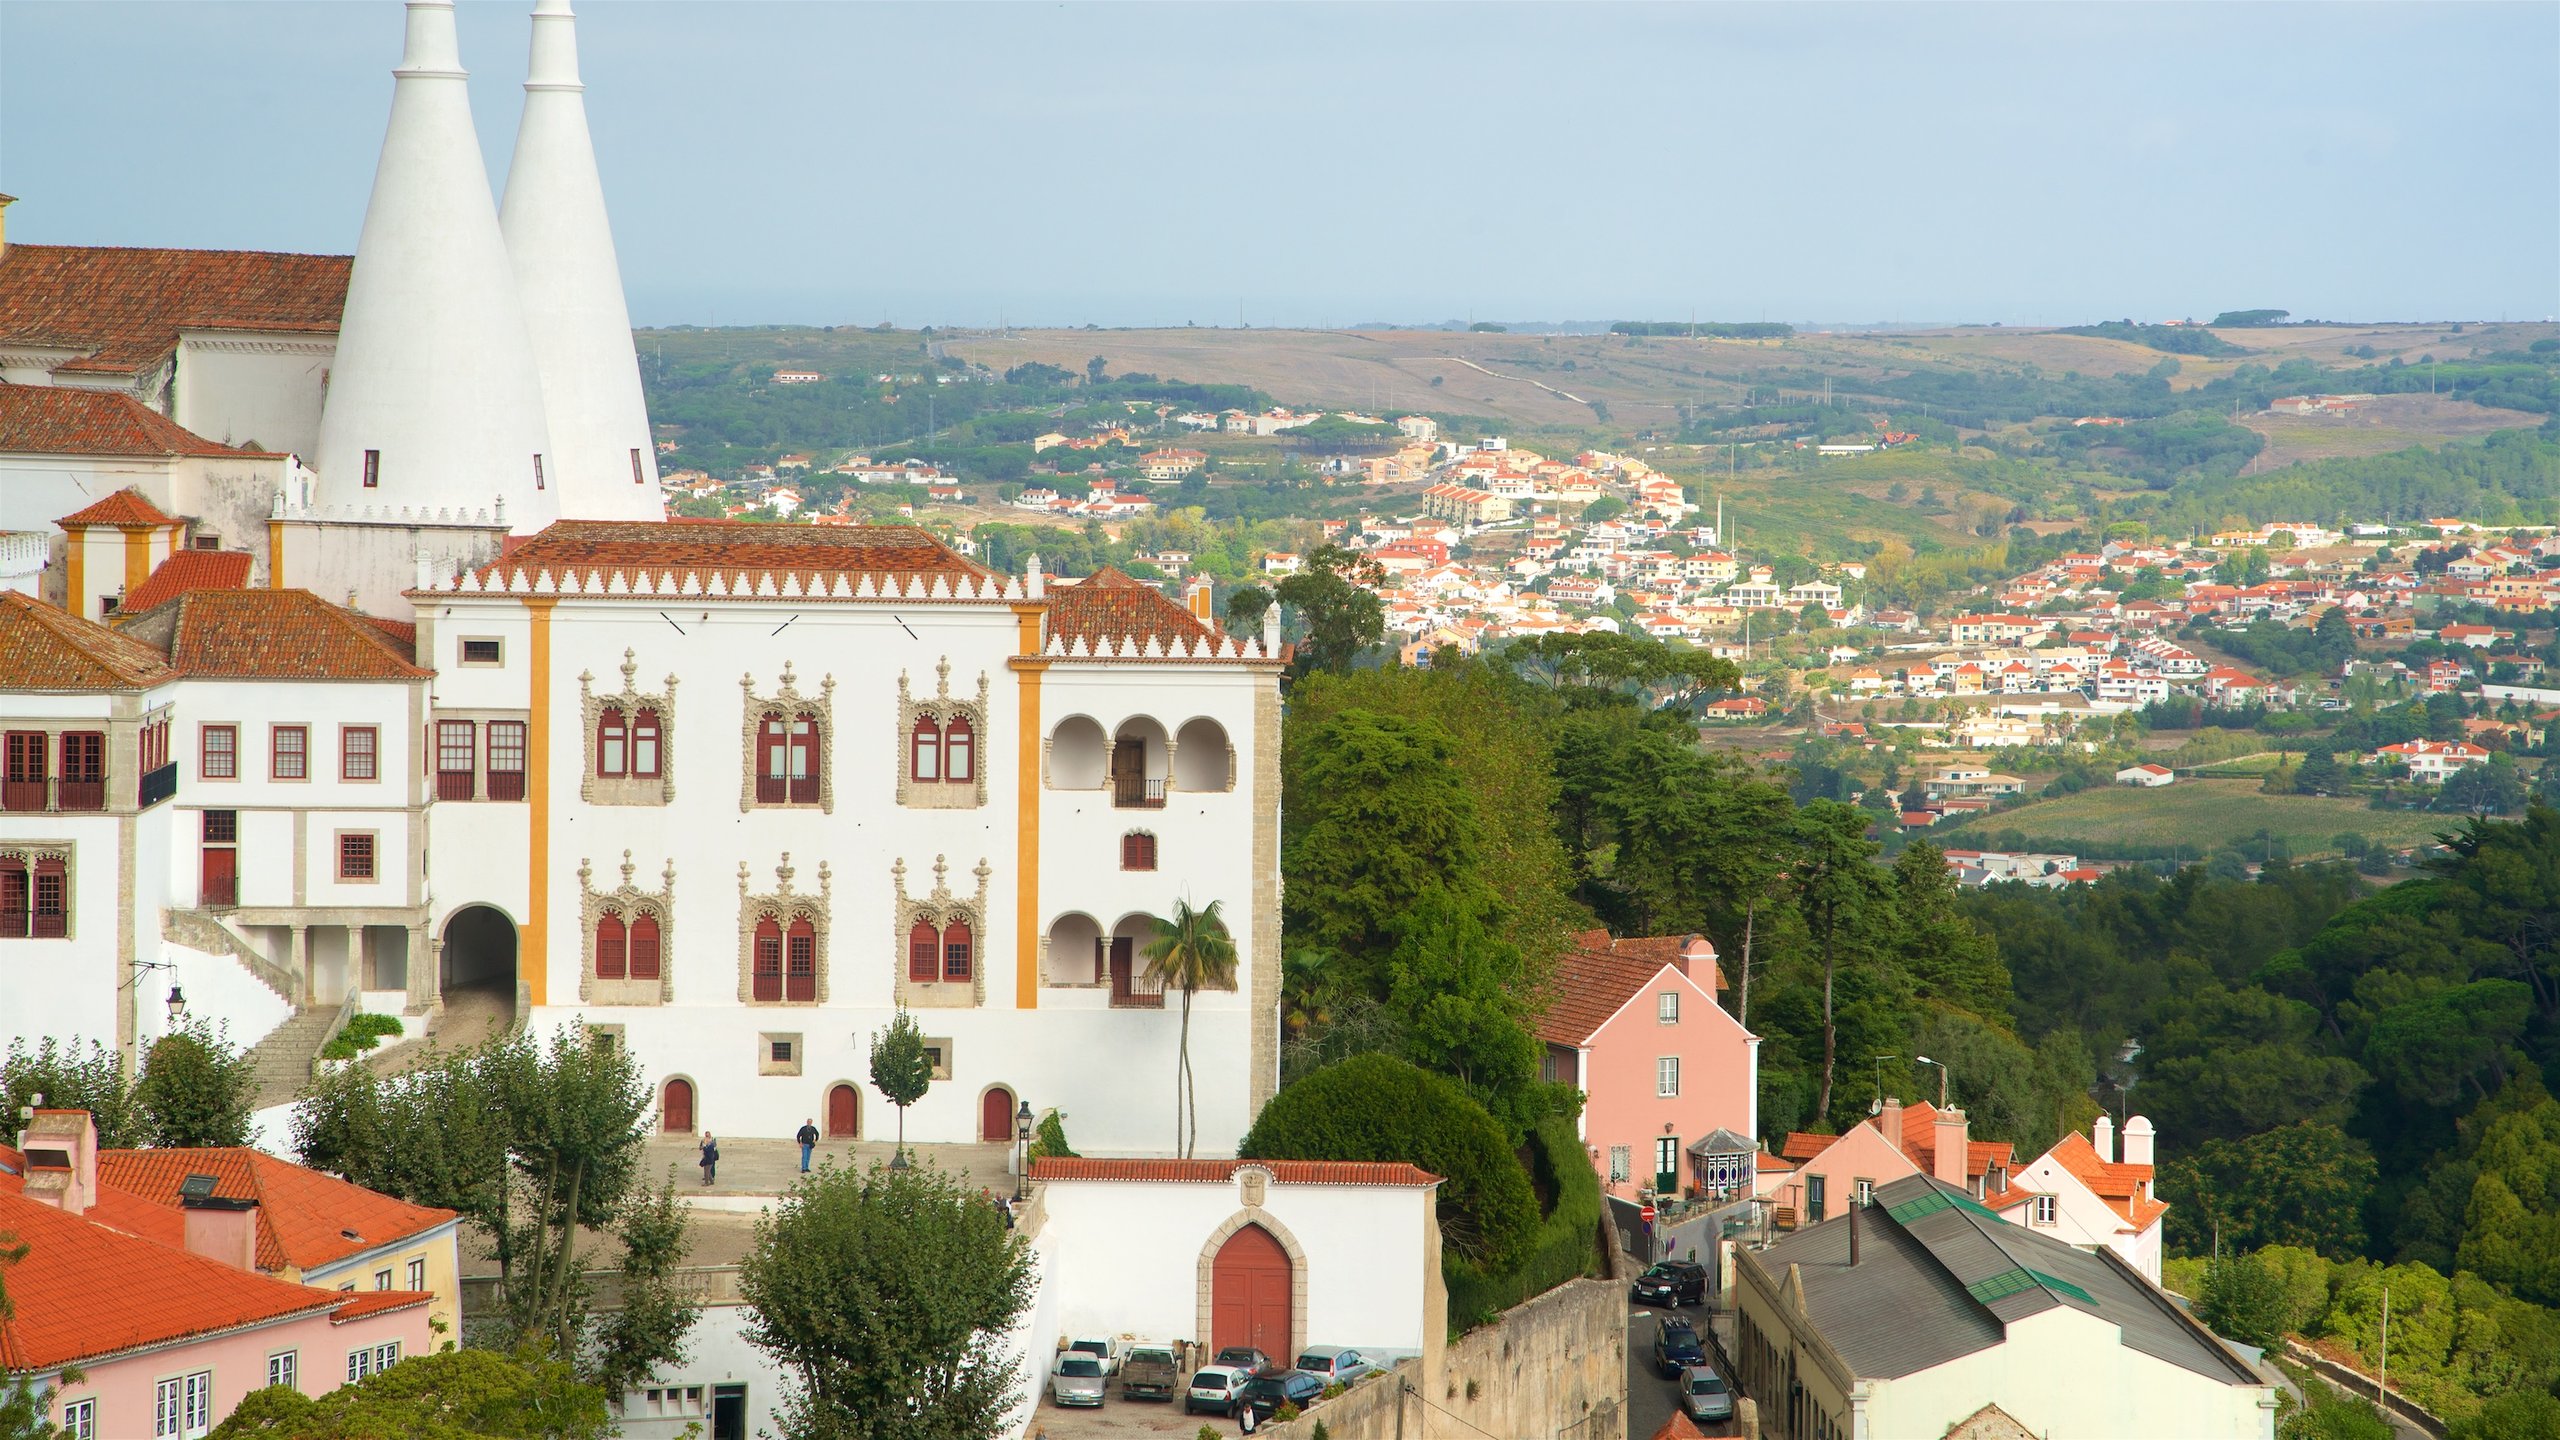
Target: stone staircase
[
  {"x": 283, "y": 1059},
  {"x": 208, "y": 932}
]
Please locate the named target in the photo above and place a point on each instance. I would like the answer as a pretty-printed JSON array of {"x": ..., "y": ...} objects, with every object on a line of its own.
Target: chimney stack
[
  {"x": 61, "y": 1147},
  {"x": 433, "y": 397},
  {"x": 1952, "y": 1142},
  {"x": 560, "y": 243},
  {"x": 2137, "y": 1141},
  {"x": 1196, "y": 593},
  {"x": 2102, "y": 1138},
  {"x": 5, "y": 202},
  {"x": 1854, "y": 1208},
  {"x": 218, "y": 1228},
  {"x": 1889, "y": 1121}
]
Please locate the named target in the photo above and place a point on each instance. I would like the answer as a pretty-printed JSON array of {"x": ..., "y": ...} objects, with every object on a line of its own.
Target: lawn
[{"x": 2196, "y": 816}]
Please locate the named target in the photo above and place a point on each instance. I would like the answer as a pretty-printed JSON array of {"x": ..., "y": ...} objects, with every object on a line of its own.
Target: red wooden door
[
  {"x": 995, "y": 1115},
  {"x": 221, "y": 877},
  {"x": 679, "y": 1107},
  {"x": 1249, "y": 1295},
  {"x": 844, "y": 1113}
]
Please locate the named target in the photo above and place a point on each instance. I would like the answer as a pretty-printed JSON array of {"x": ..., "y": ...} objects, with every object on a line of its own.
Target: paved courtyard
[{"x": 752, "y": 1167}]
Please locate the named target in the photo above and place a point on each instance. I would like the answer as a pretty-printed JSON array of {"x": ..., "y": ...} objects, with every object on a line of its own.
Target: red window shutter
[
  {"x": 644, "y": 947},
  {"x": 801, "y": 951},
  {"x": 768, "y": 960},
  {"x": 957, "y": 954},
  {"x": 772, "y": 783},
  {"x": 14, "y": 894},
  {"x": 924, "y": 752},
  {"x": 959, "y": 751},
  {"x": 611, "y": 961},
  {"x": 805, "y": 752},
  {"x": 612, "y": 743},
  {"x": 924, "y": 953},
  {"x": 53, "y": 900},
  {"x": 644, "y": 746},
  {"x": 506, "y": 759}
]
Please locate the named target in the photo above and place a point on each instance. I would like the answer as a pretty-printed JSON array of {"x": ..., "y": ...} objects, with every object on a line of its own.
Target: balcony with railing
[
  {"x": 89, "y": 794},
  {"x": 34, "y": 796},
  {"x": 1137, "y": 792},
  {"x": 159, "y": 785},
  {"x": 457, "y": 785}
]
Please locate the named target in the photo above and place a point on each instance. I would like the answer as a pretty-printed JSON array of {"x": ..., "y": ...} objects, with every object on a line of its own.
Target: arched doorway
[
  {"x": 478, "y": 984},
  {"x": 1250, "y": 1289},
  {"x": 844, "y": 1112},
  {"x": 676, "y": 1114},
  {"x": 995, "y": 1116}
]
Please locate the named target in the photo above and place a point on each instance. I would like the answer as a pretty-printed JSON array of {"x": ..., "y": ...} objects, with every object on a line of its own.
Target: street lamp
[
  {"x": 1942, "y": 1077},
  {"x": 1021, "y": 1152},
  {"x": 177, "y": 1006}
]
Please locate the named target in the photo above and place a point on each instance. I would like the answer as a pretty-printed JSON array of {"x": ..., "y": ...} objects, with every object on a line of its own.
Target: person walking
[
  {"x": 710, "y": 1159},
  {"x": 808, "y": 1138},
  {"x": 1246, "y": 1420}
]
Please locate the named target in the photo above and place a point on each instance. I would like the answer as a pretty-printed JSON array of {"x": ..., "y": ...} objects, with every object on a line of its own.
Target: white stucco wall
[
  {"x": 2082, "y": 1219},
  {"x": 236, "y": 387},
  {"x": 716, "y": 1353},
  {"x": 1129, "y": 1256},
  {"x": 2065, "y": 1372}
]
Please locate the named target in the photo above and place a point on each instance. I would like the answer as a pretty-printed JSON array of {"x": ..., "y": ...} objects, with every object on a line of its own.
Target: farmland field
[{"x": 2196, "y": 816}]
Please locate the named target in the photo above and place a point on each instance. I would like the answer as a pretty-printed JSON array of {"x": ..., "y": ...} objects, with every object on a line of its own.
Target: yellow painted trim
[
  {"x": 137, "y": 559},
  {"x": 75, "y": 575},
  {"x": 275, "y": 554},
  {"x": 1026, "y": 895},
  {"x": 532, "y": 969}
]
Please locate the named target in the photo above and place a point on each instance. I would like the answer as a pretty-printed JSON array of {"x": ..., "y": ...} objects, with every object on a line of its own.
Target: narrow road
[
  {"x": 1520, "y": 380},
  {"x": 1652, "y": 1396}
]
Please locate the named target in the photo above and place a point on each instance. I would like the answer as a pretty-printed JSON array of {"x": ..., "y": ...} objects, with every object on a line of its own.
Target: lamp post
[
  {"x": 1022, "y": 1152},
  {"x": 1942, "y": 1076}
]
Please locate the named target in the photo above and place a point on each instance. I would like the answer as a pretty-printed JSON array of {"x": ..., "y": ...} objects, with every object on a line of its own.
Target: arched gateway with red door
[
  {"x": 1251, "y": 1289},
  {"x": 844, "y": 1113}
]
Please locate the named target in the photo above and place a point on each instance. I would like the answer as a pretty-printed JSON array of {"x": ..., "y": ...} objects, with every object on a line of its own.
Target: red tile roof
[
  {"x": 1286, "y": 1172},
  {"x": 270, "y": 635},
  {"x": 2116, "y": 1183},
  {"x": 189, "y": 570},
  {"x": 84, "y": 1291},
  {"x": 127, "y": 306},
  {"x": 50, "y": 420},
  {"x": 735, "y": 550},
  {"x": 379, "y": 1302},
  {"x": 116, "y": 1209},
  {"x": 305, "y": 1219},
  {"x": 1596, "y": 978},
  {"x": 1109, "y": 608},
  {"x": 45, "y": 648},
  {"x": 126, "y": 507}
]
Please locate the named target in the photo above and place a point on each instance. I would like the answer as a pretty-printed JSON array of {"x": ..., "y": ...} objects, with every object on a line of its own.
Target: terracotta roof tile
[
  {"x": 1109, "y": 608},
  {"x": 1596, "y": 978},
  {"x": 378, "y": 1302},
  {"x": 45, "y": 648},
  {"x": 189, "y": 570},
  {"x": 1803, "y": 1145},
  {"x": 1920, "y": 1142},
  {"x": 84, "y": 1290},
  {"x": 2116, "y": 1183},
  {"x": 127, "y": 305},
  {"x": 126, "y": 507},
  {"x": 734, "y": 549},
  {"x": 305, "y": 1218},
  {"x": 49, "y": 420},
  {"x": 269, "y": 635},
  {"x": 1213, "y": 1172}
]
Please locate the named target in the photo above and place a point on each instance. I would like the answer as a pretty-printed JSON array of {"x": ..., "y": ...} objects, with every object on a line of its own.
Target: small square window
[
  {"x": 782, "y": 1052},
  {"x": 1667, "y": 1007},
  {"x": 483, "y": 652},
  {"x": 938, "y": 1050},
  {"x": 356, "y": 859},
  {"x": 778, "y": 1052},
  {"x": 204, "y": 542}
]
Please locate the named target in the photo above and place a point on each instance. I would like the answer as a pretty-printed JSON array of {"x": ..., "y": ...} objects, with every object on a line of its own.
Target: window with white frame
[
  {"x": 1621, "y": 1163},
  {"x": 281, "y": 1368},
  {"x": 1666, "y": 1007},
  {"x": 417, "y": 1275},
  {"x": 199, "y": 1404},
  {"x": 1866, "y": 1191},
  {"x": 372, "y": 1360},
  {"x": 2044, "y": 1209},
  {"x": 1666, "y": 1077},
  {"x": 80, "y": 1420}
]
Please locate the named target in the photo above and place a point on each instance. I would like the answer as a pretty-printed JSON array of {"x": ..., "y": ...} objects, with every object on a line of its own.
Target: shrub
[
  {"x": 1206, "y": 1433},
  {"x": 1565, "y": 1246},
  {"x": 1049, "y": 1142},
  {"x": 361, "y": 1033},
  {"x": 1379, "y": 1108},
  {"x": 1320, "y": 1432},
  {"x": 1286, "y": 1413}
]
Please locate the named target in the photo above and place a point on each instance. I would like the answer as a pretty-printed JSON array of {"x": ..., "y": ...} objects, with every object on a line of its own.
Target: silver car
[
  {"x": 1215, "y": 1388},
  {"x": 1335, "y": 1367},
  {"x": 1704, "y": 1394},
  {"x": 1078, "y": 1380}
]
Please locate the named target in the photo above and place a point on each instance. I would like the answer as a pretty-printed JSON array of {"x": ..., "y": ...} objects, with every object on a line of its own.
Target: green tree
[
  {"x": 655, "y": 1310},
  {"x": 2451, "y": 1044},
  {"x": 449, "y": 1395},
  {"x": 71, "y": 1077},
  {"x": 197, "y": 1089},
  {"x": 901, "y": 1068},
  {"x": 1378, "y": 815},
  {"x": 2521, "y": 1415},
  {"x": 885, "y": 1296},
  {"x": 2243, "y": 1299},
  {"x": 1949, "y": 959},
  {"x": 1336, "y": 597},
  {"x": 1840, "y": 895},
  {"x": 1246, "y": 605},
  {"x": 2304, "y": 1185},
  {"x": 1455, "y": 995},
  {"x": 1192, "y": 951}
]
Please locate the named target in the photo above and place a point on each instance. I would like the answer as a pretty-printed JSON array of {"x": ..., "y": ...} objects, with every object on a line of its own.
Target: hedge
[{"x": 1566, "y": 1247}]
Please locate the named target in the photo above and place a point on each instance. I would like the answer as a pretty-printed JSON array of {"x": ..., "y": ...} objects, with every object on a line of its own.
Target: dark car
[
  {"x": 1673, "y": 1282},
  {"x": 1245, "y": 1358},
  {"x": 1676, "y": 1347},
  {"x": 1265, "y": 1394}
]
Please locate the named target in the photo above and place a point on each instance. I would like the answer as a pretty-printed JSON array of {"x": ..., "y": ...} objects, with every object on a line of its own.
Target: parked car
[
  {"x": 1106, "y": 1351},
  {"x": 1215, "y": 1389},
  {"x": 1078, "y": 1380},
  {"x": 1267, "y": 1393},
  {"x": 1245, "y": 1358},
  {"x": 1704, "y": 1394},
  {"x": 1151, "y": 1372},
  {"x": 1676, "y": 1347},
  {"x": 1335, "y": 1367},
  {"x": 1672, "y": 1282}
]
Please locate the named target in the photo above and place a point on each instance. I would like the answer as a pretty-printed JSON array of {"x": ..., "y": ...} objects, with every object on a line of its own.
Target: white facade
[
  {"x": 561, "y": 245},
  {"x": 2067, "y": 1372}
]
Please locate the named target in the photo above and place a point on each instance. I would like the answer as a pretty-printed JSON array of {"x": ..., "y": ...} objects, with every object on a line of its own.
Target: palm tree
[
  {"x": 1191, "y": 950},
  {"x": 1306, "y": 987}
]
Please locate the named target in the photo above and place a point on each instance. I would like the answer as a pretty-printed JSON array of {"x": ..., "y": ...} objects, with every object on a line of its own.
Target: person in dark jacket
[
  {"x": 808, "y": 1138},
  {"x": 710, "y": 1158}
]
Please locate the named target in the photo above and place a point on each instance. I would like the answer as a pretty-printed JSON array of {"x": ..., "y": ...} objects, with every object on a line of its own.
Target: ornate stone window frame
[
  {"x": 628, "y": 900},
  {"x": 941, "y": 795},
  {"x": 31, "y": 853},
  {"x": 939, "y": 908},
  {"x": 782, "y": 905},
  {"x": 623, "y": 789},
  {"x": 789, "y": 701}
]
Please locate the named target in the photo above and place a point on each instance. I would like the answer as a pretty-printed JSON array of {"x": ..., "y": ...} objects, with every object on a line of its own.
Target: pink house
[
  {"x": 160, "y": 1307},
  {"x": 1831, "y": 1171},
  {"x": 1634, "y": 1024}
]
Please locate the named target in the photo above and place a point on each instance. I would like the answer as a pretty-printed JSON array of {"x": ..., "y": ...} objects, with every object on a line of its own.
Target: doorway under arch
[
  {"x": 1251, "y": 1292},
  {"x": 844, "y": 1112},
  {"x": 479, "y": 985},
  {"x": 995, "y": 1116},
  {"x": 675, "y": 1110}
]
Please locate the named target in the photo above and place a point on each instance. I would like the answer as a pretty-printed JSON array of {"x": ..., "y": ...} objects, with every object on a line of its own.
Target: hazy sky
[{"x": 1325, "y": 164}]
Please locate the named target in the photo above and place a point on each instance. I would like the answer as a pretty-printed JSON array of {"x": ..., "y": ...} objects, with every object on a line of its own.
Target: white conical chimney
[
  {"x": 433, "y": 399},
  {"x": 562, "y": 249}
]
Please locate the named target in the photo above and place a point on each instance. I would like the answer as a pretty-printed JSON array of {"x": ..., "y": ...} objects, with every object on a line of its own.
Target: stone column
[
  {"x": 300, "y": 952},
  {"x": 423, "y": 991}
]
